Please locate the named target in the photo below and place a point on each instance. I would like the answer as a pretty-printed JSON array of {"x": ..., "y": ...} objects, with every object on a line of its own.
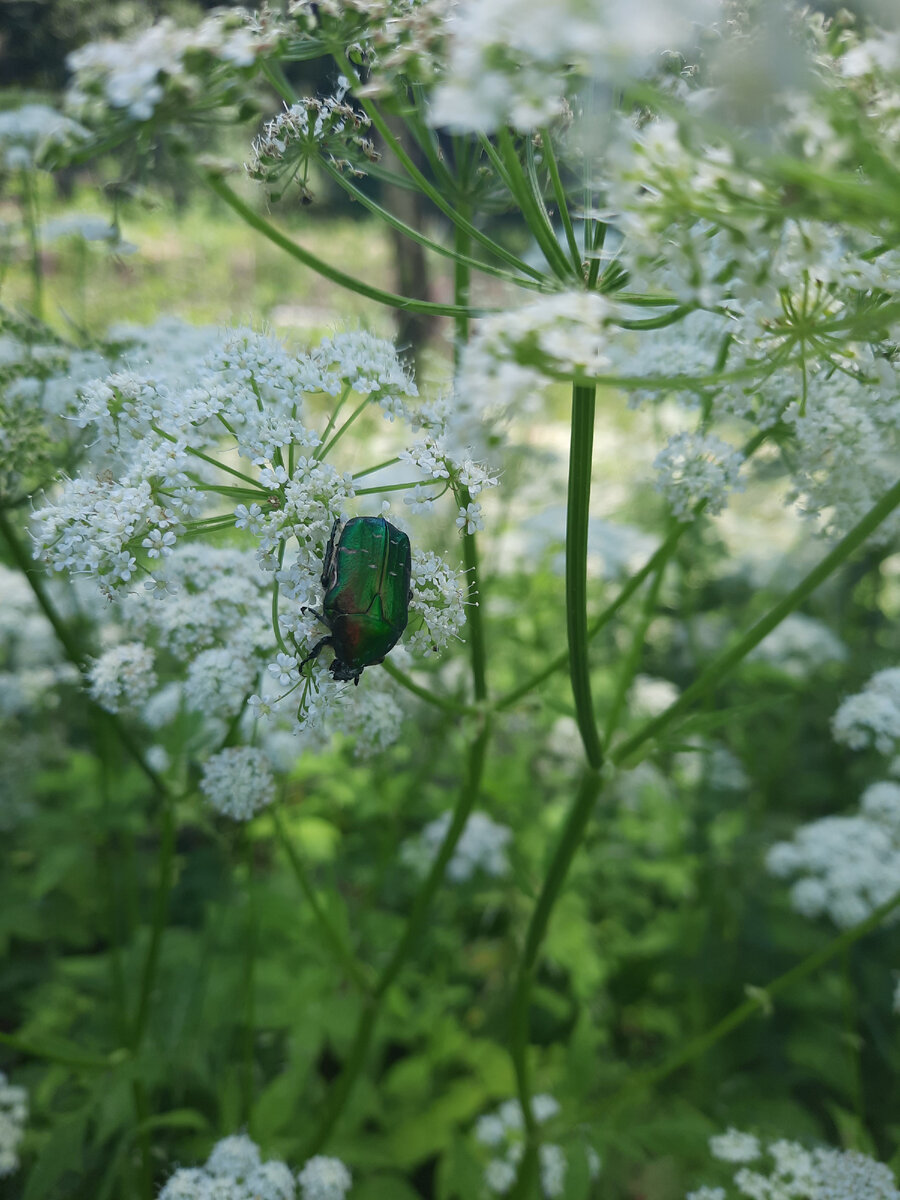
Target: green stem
[
  {"x": 577, "y": 520},
  {"x": 423, "y": 693},
  {"x": 331, "y": 420},
  {"x": 561, "y": 202},
  {"x": 543, "y": 213},
  {"x": 358, "y": 411},
  {"x": 423, "y": 184},
  {"x": 429, "y": 243},
  {"x": 508, "y": 167},
  {"x": 276, "y": 595},
  {"x": 723, "y": 663},
  {"x": 255, "y": 485},
  {"x": 476, "y": 639},
  {"x": 659, "y": 556},
  {"x": 63, "y": 1055},
  {"x": 389, "y": 462},
  {"x": 335, "y": 939},
  {"x": 759, "y": 1000},
  {"x": 166, "y": 864},
  {"x": 255, "y": 221},
  {"x": 250, "y": 955},
  {"x": 632, "y": 660},
  {"x": 386, "y": 487},
  {"x": 341, "y": 1089}
]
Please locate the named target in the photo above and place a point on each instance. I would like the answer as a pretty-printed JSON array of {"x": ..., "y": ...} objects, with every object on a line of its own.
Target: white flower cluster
[
  {"x": 27, "y": 133},
  {"x": 397, "y": 37},
  {"x": 324, "y": 1179},
  {"x": 238, "y": 782},
  {"x": 508, "y": 359},
  {"x": 794, "y": 1173},
  {"x": 502, "y": 1132},
  {"x": 799, "y": 646},
  {"x": 13, "y": 1115},
  {"x": 511, "y": 61},
  {"x": 844, "y": 866},
  {"x": 123, "y": 677},
  {"x": 160, "y": 444},
  {"x": 481, "y": 847},
  {"x": 135, "y": 74},
  {"x": 295, "y": 138},
  {"x": 847, "y": 446},
  {"x": 235, "y": 1171},
  {"x": 871, "y": 717},
  {"x": 695, "y": 467}
]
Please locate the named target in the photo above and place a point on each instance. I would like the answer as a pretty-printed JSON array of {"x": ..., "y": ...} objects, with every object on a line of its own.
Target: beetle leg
[
  {"x": 315, "y": 612},
  {"x": 316, "y": 650}
]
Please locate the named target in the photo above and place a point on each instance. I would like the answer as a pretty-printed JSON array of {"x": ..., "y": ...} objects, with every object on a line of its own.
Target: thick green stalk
[
  {"x": 577, "y": 520},
  {"x": 723, "y": 663},
  {"x": 261, "y": 225},
  {"x": 343, "y": 1086}
]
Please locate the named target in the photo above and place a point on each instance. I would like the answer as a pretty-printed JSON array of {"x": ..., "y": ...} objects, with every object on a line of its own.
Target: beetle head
[{"x": 344, "y": 673}]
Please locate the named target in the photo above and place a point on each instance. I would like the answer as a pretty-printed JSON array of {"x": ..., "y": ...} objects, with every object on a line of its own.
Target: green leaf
[
  {"x": 385, "y": 1187},
  {"x": 460, "y": 1172},
  {"x": 63, "y": 1152}
]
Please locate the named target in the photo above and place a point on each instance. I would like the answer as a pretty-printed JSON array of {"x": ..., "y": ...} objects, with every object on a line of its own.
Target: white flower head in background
[
  {"x": 871, "y": 717},
  {"x": 844, "y": 867},
  {"x": 233, "y": 1171},
  {"x": 799, "y": 646},
  {"x": 123, "y": 677},
  {"x": 511, "y": 61},
  {"x": 324, "y": 1179},
  {"x": 238, "y": 782},
  {"x": 695, "y": 467},
  {"x": 502, "y": 1133},
  {"x": 512, "y": 356},
  {"x": 27, "y": 133},
  {"x": 13, "y": 1115},
  {"x": 481, "y": 848},
  {"x": 788, "y": 1171}
]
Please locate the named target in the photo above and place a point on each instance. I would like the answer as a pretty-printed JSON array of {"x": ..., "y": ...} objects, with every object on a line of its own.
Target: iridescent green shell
[{"x": 366, "y": 577}]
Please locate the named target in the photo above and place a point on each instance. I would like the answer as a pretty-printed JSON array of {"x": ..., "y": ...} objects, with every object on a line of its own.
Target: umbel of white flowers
[
  {"x": 785, "y": 1170},
  {"x": 235, "y": 1171}
]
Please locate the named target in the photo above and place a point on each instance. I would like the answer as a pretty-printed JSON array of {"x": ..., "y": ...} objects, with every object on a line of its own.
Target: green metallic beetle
[{"x": 366, "y": 580}]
